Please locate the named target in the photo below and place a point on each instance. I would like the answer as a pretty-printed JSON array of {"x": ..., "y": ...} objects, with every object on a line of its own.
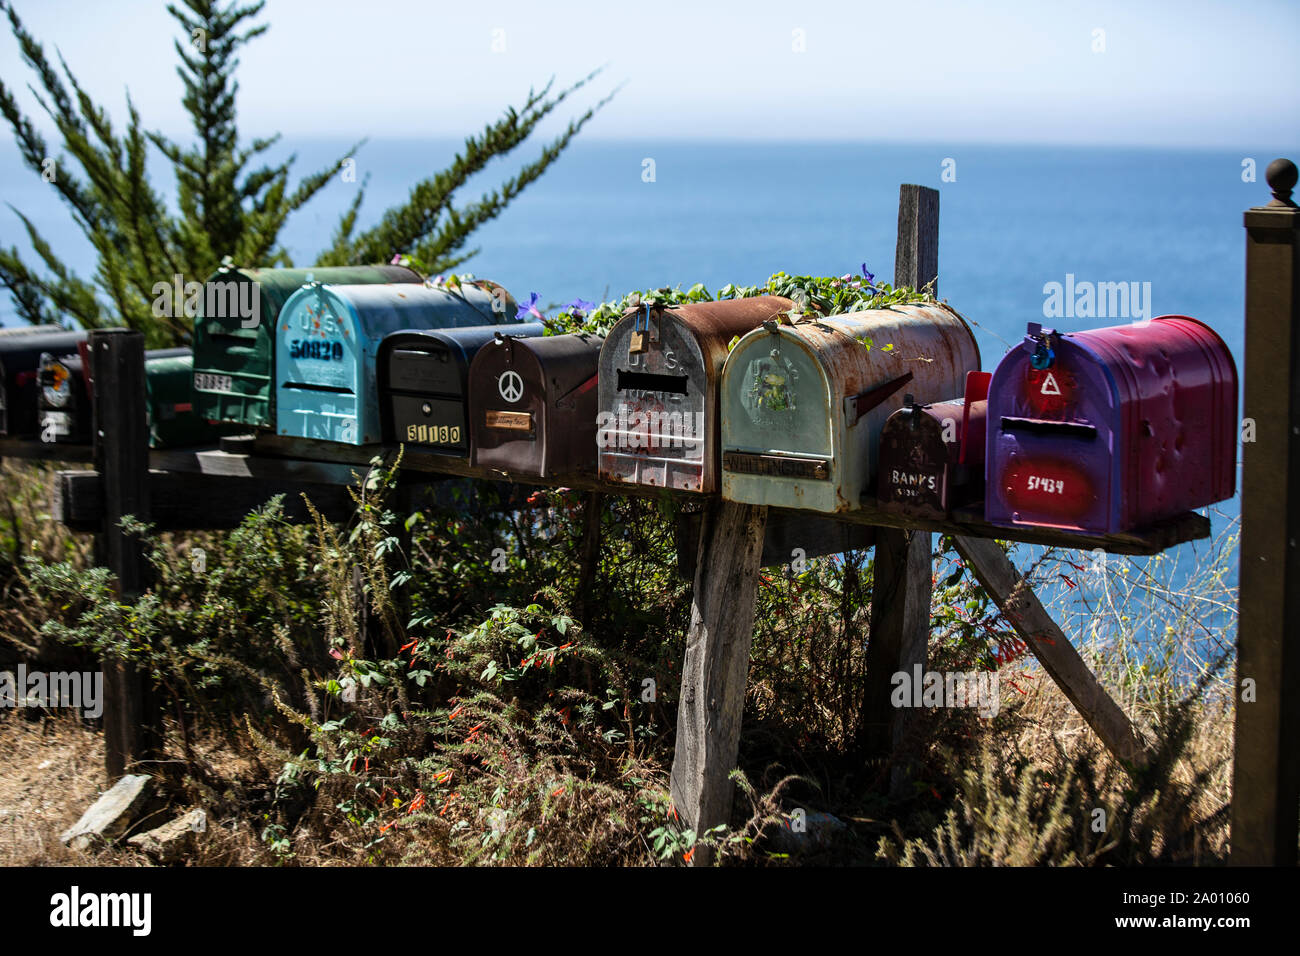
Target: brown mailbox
[{"x": 533, "y": 404}]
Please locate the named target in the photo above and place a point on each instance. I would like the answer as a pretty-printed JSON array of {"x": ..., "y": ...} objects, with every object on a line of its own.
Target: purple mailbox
[{"x": 1111, "y": 429}]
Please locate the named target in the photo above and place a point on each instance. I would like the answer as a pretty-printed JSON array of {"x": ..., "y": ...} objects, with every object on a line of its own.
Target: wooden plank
[
  {"x": 1266, "y": 764},
  {"x": 1022, "y": 609},
  {"x": 121, "y": 451},
  {"x": 182, "y": 501},
  {"x": 44, "y": 451},
  {"x": 716, "y": 666}
]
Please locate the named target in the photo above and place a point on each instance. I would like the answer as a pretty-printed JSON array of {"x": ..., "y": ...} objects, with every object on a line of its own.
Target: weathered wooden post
[
  {"x": 121, "y": 448},
  {"x": 901, "y": 588},
  {"x": 716, "y": 666},
  {"x": 1266, "y": 764}
]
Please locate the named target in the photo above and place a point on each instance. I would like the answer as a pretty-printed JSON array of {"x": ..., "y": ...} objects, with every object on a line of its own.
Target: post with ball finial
[{"x": 1266, "y": 761}]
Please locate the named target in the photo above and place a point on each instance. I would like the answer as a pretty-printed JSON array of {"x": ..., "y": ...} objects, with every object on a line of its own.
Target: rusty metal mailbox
[
  {"x": 533, "y": 405},
  {"x": 326, "y": 343},
  {"x": 1111, "y": 429},
  {"x": 422, "y": 382},
  {"x": 932, "y": 456},
  {"x": 658, "y": 421},
  {"x": 234, "y": 336},
  {"x": 803, "y": 405},
  {"x": 20, "y": 360}
]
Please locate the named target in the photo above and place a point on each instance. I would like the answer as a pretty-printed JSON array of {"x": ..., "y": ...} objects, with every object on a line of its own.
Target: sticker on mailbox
[
  {"x": 511, "y": 386},
  {"x": 213, "y": 383}
]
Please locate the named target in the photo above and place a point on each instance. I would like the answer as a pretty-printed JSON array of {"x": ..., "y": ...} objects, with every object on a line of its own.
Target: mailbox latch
[{"x": 855, "y": 406}]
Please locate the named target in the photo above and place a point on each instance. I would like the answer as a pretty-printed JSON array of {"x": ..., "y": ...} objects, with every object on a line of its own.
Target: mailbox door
[
  {"x": 508, "y": 410},
  {"x": 654, "y": 407},
  {"x": 234, "y": 334},
  {"x": 65, "y": 412},
  {"x": 1054, "y": 445},
  {"x": 20, "y": 359},
  {"x": 779, "y": 439}
]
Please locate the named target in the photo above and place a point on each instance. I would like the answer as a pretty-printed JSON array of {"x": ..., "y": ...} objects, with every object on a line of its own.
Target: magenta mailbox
[{"x": 1111, "y": 429}]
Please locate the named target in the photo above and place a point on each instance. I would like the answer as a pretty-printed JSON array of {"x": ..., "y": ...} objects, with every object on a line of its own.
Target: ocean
[{"x": 610, "y": 217}]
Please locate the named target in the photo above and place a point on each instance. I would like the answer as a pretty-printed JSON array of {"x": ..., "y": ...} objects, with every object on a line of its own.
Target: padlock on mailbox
[
  {"x": 658, "y": 418},
  {"x": 533, "y": 405},
  {"x": 327, "y": 343},
  {"x": 932, "y": 456},
  {"x": 424, "y": 383},
  {"x": 803, "y": 405},
  {"x": 20, "y": 360},
  {"x": 234, "y": 334},
  {"x": 1112, "y": 429}
]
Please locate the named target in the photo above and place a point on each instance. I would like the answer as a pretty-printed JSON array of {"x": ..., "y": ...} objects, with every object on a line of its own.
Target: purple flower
[
  {"x": 530, "y": 308},
  {"x": 870, "y": 277},
  {"x": 578, "y": 307}
]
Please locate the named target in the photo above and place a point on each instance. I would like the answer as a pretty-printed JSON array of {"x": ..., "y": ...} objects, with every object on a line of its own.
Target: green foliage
[{"x": 226, "y": 205}]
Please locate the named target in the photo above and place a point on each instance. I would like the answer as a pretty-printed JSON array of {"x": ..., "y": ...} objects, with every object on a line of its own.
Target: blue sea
[{"x": 1013, "y": 219}]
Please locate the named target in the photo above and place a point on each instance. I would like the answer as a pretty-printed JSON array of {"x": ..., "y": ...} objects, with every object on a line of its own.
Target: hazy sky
[{"x": 1171, "y": 73}]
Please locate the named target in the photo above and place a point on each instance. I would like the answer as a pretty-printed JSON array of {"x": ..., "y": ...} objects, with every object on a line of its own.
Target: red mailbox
[{"x": 1111, "y": 429}]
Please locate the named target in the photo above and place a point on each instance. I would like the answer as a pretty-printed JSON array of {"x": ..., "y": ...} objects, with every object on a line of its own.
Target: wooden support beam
[
  {"x": 181, "y": 501},
  {"x": 1021, "y": 607},
  {"x": 901, "y": 587},
  {"x": 716, "y": 666},
  {"x": 121, "y": 451},
  {"x": 899, "y": 640},
  {"x": 1266, "y": 763}
]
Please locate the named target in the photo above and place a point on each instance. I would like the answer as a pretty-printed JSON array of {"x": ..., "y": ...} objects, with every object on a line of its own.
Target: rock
[
  {"x": 171, "y": 841},
  {"x": 112, "y": 814},
  {"x": 806, "y": 832}
]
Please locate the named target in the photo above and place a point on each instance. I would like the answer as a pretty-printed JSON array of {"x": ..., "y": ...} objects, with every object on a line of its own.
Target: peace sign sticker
[{"x": 511, "y": 386}]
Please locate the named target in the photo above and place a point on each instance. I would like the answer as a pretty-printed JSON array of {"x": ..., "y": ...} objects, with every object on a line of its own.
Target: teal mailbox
[{"x": 326, "y": 349}]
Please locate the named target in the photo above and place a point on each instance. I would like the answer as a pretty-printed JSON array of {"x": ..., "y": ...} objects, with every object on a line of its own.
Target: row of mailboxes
[{"x": 327, "y": 350}]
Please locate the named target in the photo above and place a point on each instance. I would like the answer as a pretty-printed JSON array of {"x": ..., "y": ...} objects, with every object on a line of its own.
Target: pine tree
[{"x": 225, "y": 206}]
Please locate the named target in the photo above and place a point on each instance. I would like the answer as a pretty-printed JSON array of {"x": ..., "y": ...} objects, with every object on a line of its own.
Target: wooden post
[
  {"x": 1266, "y": 763},
  {"x": 902, "y": 586},
  {"x": 1021, "y": 607},
  {"x": 716, "y": 666},
  {"x": 121, "y": 446}
]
